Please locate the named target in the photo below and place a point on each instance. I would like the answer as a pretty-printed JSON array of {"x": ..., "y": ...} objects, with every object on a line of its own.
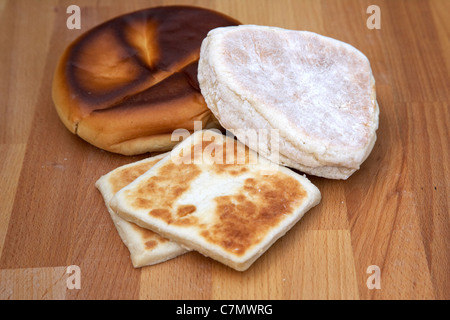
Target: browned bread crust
[{"x": 126, "y": 84}]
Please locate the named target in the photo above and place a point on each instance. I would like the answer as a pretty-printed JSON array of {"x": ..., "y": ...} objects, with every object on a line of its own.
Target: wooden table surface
[{"x": 392, "y": 215}]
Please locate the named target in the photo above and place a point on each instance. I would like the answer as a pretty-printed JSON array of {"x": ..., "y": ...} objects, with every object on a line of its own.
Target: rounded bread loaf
[{"x": 128, "y": 83}]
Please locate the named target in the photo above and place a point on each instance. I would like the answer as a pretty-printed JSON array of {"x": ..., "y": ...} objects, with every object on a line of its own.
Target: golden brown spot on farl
[
  {"x": 142, "y": 202},
  {"x": 185, "y": 210},
  {"x": 125, "y": 176},
  {"x": 163, "y": 214},
  {"x": 151, "y": 244},
  {"x": 239, "y": 171},
  {"x": 242, "y": 220},
  {"x": 186, "y": 221}
]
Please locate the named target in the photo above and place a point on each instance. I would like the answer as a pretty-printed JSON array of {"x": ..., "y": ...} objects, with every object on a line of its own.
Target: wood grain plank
[
  {"x": 428, "y": 152},
  {"x": 389, "y": 233},
  {"x": 405, "y": 273},
  {"x": 93, "y": 244},
  {"x": 415, "y": 52},
  {"x": 23, "y": 64},
  {"x": 421, "y": 49},
  {"x": 11, "y": 159},
  {"x": 320, "y": 266},
  {"x": 263, "y": 280},
  {"x": 36, "y": 209},
  {"x": 33, "y": 284},
  {"x": 440, "y": 10},
  {"x": 371, "y": 197},
  {"x": 331, "y": 212},
  {"x": 414, "y": 251},
  {"x": 185, "y": 277}
]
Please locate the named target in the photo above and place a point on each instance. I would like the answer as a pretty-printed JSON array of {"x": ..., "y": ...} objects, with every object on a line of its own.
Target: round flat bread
[{"x": 317, "y": 92}]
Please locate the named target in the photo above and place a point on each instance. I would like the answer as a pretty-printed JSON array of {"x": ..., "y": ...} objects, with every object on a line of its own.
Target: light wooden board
[{"x": 393, "y": 213}]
